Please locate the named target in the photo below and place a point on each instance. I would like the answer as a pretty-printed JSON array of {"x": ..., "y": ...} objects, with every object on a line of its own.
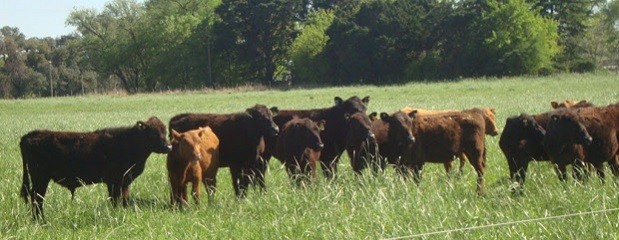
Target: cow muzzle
[
  {"x": 274, "y": 131},
  {"x": 319, "y": 146},
  {"x": 410, "y": 139}
]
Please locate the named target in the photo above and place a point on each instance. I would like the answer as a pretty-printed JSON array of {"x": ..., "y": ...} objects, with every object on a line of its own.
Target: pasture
[{"x": 347, "y": 208}]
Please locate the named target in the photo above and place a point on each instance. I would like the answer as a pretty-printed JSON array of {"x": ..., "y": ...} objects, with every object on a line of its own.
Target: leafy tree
[
  {"x": 253, "y": 38},
  {"x": 184, "y": 26},
  {"x": 572, "y": 17},
  {"x": 509, "y": 39},
  {"x": 600, "y": 42},
  {"x": 115, "y": 43},
  {"x": 309, "y": 65},
  {"x": 383, "y": 37}
]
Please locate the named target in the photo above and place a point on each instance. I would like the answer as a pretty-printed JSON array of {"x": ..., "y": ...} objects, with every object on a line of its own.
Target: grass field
[{"x": 347, "y": 208}]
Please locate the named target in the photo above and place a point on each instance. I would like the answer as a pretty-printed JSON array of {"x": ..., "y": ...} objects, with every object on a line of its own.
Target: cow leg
[
  {"x": 329, "y": 164},
  {"x": 125, "y": 195},
  {"x": 579, "y": 170},
  {"x": 561, "y": 172},
  {"x": 235, "y": 172},
  {"x": 476, "y": 159},
  {"x": 209, "y": 178},
  {"x": 599, "y": 168},
  {"x": 448, "y": 166},
  {"x": 113, "y": 190},
  {"x": 462, "y": 163},
  {"x": 174, "y": 194},
  {"x": 195, "y": 190},
  {"x": 37, "y": 196},
  {"x": 417, "y": 168},
  {"x": 521, "y": 174},
  {"x": 614, "y": 166},
  {"x": 246, "y": 179}
]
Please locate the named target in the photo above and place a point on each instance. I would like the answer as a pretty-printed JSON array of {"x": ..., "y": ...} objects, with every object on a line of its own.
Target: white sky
[{"x": 43, "y": 18}]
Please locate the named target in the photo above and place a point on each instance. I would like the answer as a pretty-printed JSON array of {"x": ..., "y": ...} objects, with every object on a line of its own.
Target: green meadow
[{"x": 349, "y": 207}]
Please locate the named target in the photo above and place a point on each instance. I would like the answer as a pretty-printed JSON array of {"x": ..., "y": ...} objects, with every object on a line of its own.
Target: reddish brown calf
[{"x": 194, "y": 159}]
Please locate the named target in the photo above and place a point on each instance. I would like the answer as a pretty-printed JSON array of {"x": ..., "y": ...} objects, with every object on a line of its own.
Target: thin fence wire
[{"x": 503, "y": 224}]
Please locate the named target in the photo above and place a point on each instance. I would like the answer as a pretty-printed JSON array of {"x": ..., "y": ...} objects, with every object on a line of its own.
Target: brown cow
[
  {"x": 522, "y": 142},
  {"x": 591, "y": 135},
  {"x": 194, "y": 158},
  {"x": 393, "y": 136},
  {"x": 359, "y": 139},
  {"x": 439, "y": 139},
  {"x": 240, "y": 141},
  {"x": 570, "y": 104},
  {"x": 114, "y": 156},
  {"x": 489, "y": 122},
  {"x": 334, "y": 134},
  {"x": 298, "y": 148}
]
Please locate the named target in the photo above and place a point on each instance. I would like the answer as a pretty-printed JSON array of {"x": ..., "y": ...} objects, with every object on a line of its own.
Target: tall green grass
[{"x": 346, "y": 208}]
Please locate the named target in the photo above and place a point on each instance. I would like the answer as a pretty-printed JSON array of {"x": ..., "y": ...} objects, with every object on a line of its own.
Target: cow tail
[{"x": 25, "y": 186}]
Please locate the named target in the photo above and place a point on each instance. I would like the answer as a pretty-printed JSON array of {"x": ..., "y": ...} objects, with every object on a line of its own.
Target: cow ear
[
  {"x": 175, "y": 134},
  {"x": 274, "y": 110},
  {"x": 140, "y": 125},
  {"x": 366, "y": 100},
  {"x": 372, "y": 116},
  {"x": 321, "y": 125},
  {"x": 413, "y": 114},
  {"x": 338, "y": 101},
  {"x": 202, "y": 133},
  {"x": 554, "y": 104},
  {"x": 250, "y": 112},
  {"x": 384, "y": 116}
]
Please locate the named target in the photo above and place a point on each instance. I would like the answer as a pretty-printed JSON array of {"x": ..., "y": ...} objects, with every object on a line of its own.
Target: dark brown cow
[
  {"x": 522, "y": 142},
  {"x": 570, "y": 104},
  {"x": 359, "y": 139},
  {"x": 582, "y": 135},
  {"x": 298, "y": 148},
  {"x": 393, "y": 137},
  {"x": 439, "y": 139},
  {"x": 114, "y": 156},
  {"x": 240, "y": 141},
  {"x": 194, "y": 158},
  {"x": 334, "y": 134}
]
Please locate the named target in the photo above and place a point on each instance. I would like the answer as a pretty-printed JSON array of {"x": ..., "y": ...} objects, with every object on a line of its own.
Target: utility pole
[
  {"x": 51, "y": 85},
  {"x": 208, "y": 57}
]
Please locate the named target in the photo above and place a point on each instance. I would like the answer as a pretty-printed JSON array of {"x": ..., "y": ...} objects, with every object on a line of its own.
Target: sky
[{"x": 43, "y": 18}]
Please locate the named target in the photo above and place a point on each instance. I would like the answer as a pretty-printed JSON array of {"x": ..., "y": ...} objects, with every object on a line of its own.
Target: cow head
[
  {"x": 190, "y": 143},
  {"x": 154, "y": 133},
  {"x": 400, "y": 125},
  {"x": 489, "y": 115},
  {"x": 263, "y": 119},
  {"x": 305, "y": 132},
  {"x": 352, "y": 105},
  {"x": 565, "y": 128},
  {"x": 359, "y": 129}
]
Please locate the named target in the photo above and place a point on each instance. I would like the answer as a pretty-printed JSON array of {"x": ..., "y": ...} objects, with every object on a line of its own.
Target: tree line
[{"x": 191, "y": 44}]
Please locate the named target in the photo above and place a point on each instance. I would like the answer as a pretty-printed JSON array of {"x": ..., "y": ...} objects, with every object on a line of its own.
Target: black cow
[
  {"x": 114, "y": 156},
  {"x": 240, "y": 141}
]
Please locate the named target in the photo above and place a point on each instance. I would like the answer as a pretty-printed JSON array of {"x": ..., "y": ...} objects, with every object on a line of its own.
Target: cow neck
[
  {"x": 250, "y": 127},
  {"x": 128, "y": 135}
]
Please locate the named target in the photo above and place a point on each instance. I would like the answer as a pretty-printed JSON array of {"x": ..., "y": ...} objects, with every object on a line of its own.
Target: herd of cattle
[{"x": 198, "y": 144}]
